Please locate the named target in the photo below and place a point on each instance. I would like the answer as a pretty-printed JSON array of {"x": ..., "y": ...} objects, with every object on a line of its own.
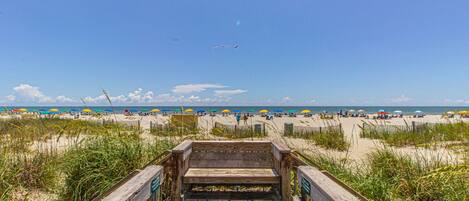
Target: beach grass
[
  {"x": 100, "y": 155},
  {"x": 424, "y": 135},
  {"x": 387, "y": 175},
  {"x": 329, "y": 137},
  {"x": 237, "y": 133}
]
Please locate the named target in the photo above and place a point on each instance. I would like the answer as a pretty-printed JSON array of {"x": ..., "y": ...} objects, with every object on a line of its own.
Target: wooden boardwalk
[{"x": 230, "y": 170}]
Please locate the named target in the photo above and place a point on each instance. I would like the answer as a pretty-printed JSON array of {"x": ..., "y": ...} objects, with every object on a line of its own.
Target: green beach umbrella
[{"x": 292, "y": 111}]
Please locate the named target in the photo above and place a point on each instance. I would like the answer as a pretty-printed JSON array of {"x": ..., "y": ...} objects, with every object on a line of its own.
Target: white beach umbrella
[
  {"x": 418, "y": 111},
  {"x": 361, "y": 111},
  {"x": 398, "y": 111}
]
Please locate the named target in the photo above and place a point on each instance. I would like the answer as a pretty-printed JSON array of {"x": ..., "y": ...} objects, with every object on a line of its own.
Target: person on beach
[
  {"x": 238, "y": 118},
  {"x": 245, "y": 118}
]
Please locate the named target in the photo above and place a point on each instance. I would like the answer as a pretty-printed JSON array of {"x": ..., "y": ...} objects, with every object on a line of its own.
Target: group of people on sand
[{"x": 245, "y": 118}]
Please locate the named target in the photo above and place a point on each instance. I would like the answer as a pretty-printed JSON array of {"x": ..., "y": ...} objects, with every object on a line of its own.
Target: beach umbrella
[
  {"x": 64, "y": 110},
  {"x": 108, "y": 110},
  {"x": 87, "y": 110},
  {"x": 226, "y": 111},
  {"x": 292, "y": 111},
  {"x": 263, "y": 111},
  {"x": 450, "y": 112},
  {"x": 305, "y": 111},
  {"x": 74, "y": 110},
  {"x": 418, "y": 111},
  {"x": 398, "y": 111},
  {"x": 190, "y": 110},
  {"x": 361, "y": 111},
  {"x": 252, "y": 111},
  {"x": 200, "y": 111},
  {"x": 213, "y": 110},
  {"x": 278, "y": 111},
  {"x": 54, "y": 110},
  {"x": 464, "y": 112},
  {"x": 155, "y": 110},
  {"x": 99, "y": 110},
  {"x": 22, "y": 110},
  {"x": 383, "y": 113},
  {"x": 237, "y": 111},
  {"x": 381, "y": 110}
]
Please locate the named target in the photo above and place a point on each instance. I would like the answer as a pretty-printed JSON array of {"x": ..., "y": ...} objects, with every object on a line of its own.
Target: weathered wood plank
[
  {"x": 139, "y": 187},
  {"x": 322, "y": 187},
  {"x": 231, "y": 176}
]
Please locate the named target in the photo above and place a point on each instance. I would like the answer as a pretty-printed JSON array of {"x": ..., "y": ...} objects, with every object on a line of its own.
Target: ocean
[{"x": 315, "y": 109}]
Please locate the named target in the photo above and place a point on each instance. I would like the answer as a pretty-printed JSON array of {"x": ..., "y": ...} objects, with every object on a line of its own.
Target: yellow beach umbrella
[
  {"x": 53, "y": 110},
  {"x": 264, "y": 111},
  {"x": 305, "y": 111},
  {"x": 464, "y": 112},
  {"x": 190, "y": 110},
  {"x": 156, "y": 110},
  {"x": 23, "y": 110},
  {"x": 226, "y": 111},
  {"x": 87, "y": 110}
]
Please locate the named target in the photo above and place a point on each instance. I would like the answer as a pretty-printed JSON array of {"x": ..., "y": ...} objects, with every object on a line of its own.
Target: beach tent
[
  {"x": 155, "y": 110},
  {"x": 87, "y": 110},
  {"x": 263, "y": 111},
  {"x": 226, "y": 111},
  {"x": 306, "y": 111},
  {"x": 190, "y": 110}
]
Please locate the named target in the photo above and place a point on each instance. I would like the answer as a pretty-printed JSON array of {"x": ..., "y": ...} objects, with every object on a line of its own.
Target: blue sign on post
[
  {"x": 306, "y": 186},
  {"x": 155, "y": 184}
]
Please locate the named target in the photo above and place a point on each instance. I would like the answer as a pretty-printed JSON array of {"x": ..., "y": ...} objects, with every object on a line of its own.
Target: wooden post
[
  {"x": 181, "y": 155},
  {"x": 413, "y": 126}
]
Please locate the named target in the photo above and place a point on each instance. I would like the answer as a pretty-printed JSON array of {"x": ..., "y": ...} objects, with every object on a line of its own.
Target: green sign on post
[{"x": 305, "y": 186}]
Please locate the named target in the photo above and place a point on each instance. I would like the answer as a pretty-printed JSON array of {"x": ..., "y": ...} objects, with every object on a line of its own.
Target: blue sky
[{"x": 207, "y": 52}]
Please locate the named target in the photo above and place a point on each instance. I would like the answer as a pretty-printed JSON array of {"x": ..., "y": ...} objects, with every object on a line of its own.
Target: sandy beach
[{"x": 358, "y": 150}]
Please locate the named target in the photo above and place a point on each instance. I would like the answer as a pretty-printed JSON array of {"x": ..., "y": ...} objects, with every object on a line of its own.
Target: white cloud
[
  {"x": 11, "y": 98},
  {"x": 286, "y": 99},
  {"x": 195, "y": 88},
  {"x": 32, "y": 93},
  {"x": 64, "y": 99},
  {"x": 401, "y": 99},
  {"x": 226, "y": 93}
]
